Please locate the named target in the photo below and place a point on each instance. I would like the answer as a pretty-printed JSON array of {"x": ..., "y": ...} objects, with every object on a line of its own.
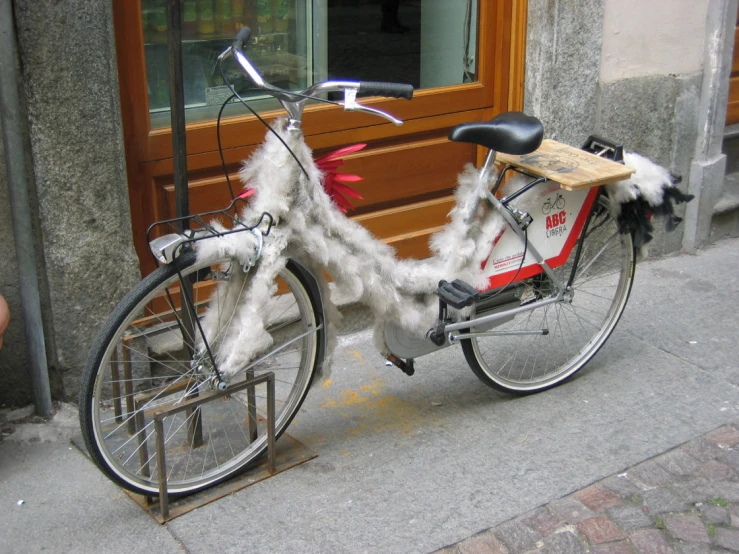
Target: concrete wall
[
  {"x": 642, "y": 38},
  {"x": 16, "y": 385},
  {"x": 563, "y": 45},
  {"x": 629, "y": 70},
  {"x": 70, "y": 88}
]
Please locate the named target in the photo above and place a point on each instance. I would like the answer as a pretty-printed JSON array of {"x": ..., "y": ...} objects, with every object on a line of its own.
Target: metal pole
[
  {"x": 15, "y": 160},
  {"x": 177, "y": 109},
  {"x": 179, "y": 160}
]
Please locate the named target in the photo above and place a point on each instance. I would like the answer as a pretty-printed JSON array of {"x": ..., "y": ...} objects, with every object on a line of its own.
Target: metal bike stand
[{"x": 161, "y": 412}]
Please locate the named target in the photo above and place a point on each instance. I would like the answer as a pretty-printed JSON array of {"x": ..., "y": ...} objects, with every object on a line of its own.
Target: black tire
[
  {"x": 142, "y": 346},
  {"x": 529, "y": 363}
]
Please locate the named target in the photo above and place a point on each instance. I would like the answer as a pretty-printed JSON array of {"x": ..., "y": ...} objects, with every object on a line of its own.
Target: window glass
[{"x": 427, "y": 43}]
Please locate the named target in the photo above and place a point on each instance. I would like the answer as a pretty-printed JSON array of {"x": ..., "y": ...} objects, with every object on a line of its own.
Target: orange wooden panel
[
  {"x": 732, "y": 113},
  {"x": 205, "y": 195},
  {"x": 392, "y": 175},
  {"x": 397, "y": 174},
  {"x": 734, "y": 89},
  {"x": 732, "y": 109},
  {"x": 516, "y": 73},
  {"x": 384, "y": 223},
  {"x": 395, "y": 222},
  {"x": 408, "y": 227},
  {"x": 322, "y": 143},
  {"x": 415, "y": 245}
]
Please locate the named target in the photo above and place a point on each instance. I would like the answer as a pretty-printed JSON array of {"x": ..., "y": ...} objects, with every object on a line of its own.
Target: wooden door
[
  {"x": 732, "y": 111},
  {"x": 409, "y": 172}
]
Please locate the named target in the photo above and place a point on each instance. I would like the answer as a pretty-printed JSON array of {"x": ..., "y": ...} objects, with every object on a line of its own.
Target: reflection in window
[
  {"x": 427, "y": 43},
  {"x": 280, "y": 48}
]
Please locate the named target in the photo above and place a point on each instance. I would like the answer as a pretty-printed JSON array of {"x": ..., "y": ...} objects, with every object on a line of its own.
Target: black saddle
[{"x": 510, "y": 133}]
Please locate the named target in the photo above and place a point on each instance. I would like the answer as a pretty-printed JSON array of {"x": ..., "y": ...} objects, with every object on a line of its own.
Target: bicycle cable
[
  {"x": 261, "y": 120},
  {"x": 520, "y": 266},
  {"x": 220, "y": 147}
]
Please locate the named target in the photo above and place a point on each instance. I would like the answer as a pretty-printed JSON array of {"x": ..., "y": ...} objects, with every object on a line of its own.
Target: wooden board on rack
[{"x": 572, "y": 168}]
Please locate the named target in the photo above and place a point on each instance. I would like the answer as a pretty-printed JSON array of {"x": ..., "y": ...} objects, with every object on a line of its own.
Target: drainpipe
[{"x": 20, "y": 208}]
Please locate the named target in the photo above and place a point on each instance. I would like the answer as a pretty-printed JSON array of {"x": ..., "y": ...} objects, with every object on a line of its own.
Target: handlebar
[
  {"x": 293, "y": 103},
  {"x": 389, "y": 90},
  {"x": 241, "y": 39}
]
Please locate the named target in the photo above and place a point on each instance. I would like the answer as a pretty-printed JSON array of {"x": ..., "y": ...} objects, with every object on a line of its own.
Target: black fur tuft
[{"x": 636, "y": 214}]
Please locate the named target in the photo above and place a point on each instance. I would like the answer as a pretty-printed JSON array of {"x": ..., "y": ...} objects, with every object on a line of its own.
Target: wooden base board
[{"x": 289, "y": 453}]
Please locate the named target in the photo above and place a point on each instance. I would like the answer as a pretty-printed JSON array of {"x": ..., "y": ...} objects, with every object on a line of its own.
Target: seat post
[
  {"x": 484, "y": 174},
  {"x": 488, "y": 165}
]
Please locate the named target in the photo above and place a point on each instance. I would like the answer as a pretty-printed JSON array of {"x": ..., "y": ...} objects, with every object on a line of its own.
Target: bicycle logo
[{"x": 558, "y": 204}]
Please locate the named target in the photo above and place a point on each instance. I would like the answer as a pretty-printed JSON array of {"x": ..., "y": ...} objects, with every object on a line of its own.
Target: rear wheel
[
  {"x": 142, "y": 361},
  {"x": 520, "y": 361}
]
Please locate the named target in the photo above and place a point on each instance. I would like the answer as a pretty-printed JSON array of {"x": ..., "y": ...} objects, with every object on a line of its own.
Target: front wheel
[
  {"x": 143, "y": 360},
  {"x": 520, "y": 358}
]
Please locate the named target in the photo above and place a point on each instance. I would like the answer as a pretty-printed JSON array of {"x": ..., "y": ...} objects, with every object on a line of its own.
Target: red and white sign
[{"x": 559, "y": 217}]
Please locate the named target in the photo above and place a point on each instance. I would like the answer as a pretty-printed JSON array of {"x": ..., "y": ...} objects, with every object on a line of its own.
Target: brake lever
[{"x": 351, "y": 105}]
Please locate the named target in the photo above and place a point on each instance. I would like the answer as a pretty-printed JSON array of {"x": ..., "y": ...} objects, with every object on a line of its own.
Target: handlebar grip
[
  {"x": 391, "y": 90},
  {"x": 242, "y": 38}
]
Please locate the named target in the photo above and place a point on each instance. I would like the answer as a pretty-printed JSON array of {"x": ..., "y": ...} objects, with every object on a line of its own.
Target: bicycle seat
[{"x": 509, "y": 133}]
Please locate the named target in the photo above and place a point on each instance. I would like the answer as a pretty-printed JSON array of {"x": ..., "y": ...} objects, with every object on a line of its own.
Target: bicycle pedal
[
  {"x": 457, "y": 294},
  {"x": 405, "y": 366}
]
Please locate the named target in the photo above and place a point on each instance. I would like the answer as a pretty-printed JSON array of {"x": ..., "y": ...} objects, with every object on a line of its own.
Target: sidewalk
[
  {"x": 685, "y": 500},
  {"x": 639, "y": 453}
]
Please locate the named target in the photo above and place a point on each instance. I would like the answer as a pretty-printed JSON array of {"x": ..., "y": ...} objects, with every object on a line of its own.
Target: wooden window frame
[{"x": 500, "y": 70}]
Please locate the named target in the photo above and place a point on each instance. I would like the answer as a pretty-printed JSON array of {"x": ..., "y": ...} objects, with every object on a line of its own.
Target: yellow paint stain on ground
[
  {"x": 392, "y": 414},
  {"x": 374, "y": 412},
  {"x": 345, "y": 453},
  {"x": 350, "y": 398},
  {"x": 312, "y": 439},
  {"x": 327, "y": 384},
  {"x": 329, "y": 404},
  {"x": 374, "y": 387},
  {"x": 356, "y": 354}
]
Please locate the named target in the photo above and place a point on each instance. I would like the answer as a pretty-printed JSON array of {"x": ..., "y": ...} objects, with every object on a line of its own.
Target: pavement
[{"x": 638, "y": 453}]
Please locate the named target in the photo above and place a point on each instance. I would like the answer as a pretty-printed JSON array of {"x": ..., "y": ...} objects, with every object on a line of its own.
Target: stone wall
[
  {"x": 628, "y": 70},
  {"x": 563, "y": 46},
  {"x": 16, "y": 384},
  {"x": 70, "y": 87}
]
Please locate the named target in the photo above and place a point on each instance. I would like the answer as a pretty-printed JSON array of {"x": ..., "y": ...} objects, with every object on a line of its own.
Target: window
[{"x": 428, "y": 43}]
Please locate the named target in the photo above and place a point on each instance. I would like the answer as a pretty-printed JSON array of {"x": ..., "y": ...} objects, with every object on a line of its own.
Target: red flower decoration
[{"x": 334, "y": 183}]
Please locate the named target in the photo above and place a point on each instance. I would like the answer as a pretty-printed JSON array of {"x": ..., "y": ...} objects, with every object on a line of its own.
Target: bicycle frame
[
  {"x": 405, "y": 321},
  {"x": 246, "y": 301}
]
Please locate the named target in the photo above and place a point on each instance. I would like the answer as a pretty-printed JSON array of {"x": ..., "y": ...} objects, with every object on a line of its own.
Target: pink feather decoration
[{"x": 334, "y": 183}]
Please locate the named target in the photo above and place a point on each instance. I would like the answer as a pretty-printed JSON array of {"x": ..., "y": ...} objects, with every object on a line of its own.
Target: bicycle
[
  {"x": 557, "y": 204},
  {"x": 232, "y": 303}
]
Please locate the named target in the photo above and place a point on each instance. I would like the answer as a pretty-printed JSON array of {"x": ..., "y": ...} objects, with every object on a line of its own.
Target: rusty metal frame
[{"x": 162, "y": 412}]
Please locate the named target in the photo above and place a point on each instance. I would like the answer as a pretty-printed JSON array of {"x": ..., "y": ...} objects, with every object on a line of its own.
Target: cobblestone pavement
[{"x": 683, "y": 501}]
